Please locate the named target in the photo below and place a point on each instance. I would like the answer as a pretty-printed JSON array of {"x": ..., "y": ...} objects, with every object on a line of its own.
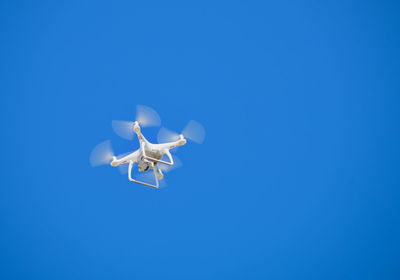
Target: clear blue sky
[{"x": 299, "y": 175}]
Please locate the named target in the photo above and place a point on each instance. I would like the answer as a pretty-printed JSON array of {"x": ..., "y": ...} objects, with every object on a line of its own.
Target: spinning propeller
[
  {"x": 193, "y": 131},
  {"x": 145, "y": 116},
  {"x": 101, "y": 154}
]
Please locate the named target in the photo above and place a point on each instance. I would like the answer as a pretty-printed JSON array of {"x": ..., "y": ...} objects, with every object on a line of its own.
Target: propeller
[
  {"x": 123, "y": 129},
  {"x": 193, "y": 131},
  {"x": 101, "y": 154},
  {"x": 123, "y": 168},
  {"x": 146, "y": 117}
]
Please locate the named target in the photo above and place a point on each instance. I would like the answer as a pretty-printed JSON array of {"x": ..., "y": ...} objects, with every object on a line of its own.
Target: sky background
[{"x": 298, "y": 177}]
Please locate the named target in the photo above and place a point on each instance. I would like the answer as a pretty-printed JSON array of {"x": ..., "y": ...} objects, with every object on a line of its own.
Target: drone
[{"x": 149, "y": 157}]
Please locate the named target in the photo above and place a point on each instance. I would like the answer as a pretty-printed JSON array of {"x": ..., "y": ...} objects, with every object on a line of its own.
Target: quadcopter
[{"x": 149, "y": 157}]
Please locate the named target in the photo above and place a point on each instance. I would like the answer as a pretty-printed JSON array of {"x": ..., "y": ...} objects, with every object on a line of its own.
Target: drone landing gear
[{"x": 156, "y": 185}]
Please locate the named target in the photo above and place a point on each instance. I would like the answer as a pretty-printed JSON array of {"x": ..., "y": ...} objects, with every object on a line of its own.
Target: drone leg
[
  {"x": 131, "y": 164},
  {"x": 171, "y": 160},
  {"x": 142, "y": 144}
]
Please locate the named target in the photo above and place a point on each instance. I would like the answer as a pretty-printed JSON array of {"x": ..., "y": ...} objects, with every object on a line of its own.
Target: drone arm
[
  {"x": 172, "y": 145},
  {"x": 131, "y": 164}
]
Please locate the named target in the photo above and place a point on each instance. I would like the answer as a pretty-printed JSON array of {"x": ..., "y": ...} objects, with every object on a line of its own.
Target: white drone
[{"x": 149, "y": 156}]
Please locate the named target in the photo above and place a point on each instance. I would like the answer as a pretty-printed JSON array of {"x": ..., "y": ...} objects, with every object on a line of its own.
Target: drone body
[{"x": 149, "y": 156}]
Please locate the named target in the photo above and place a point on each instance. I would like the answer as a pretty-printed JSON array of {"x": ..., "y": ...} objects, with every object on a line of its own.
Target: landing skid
[{"x": 156, "y": 186}]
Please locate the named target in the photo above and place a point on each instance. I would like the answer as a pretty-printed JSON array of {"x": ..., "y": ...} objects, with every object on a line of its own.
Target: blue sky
[{"x": 298, "y": 177}]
